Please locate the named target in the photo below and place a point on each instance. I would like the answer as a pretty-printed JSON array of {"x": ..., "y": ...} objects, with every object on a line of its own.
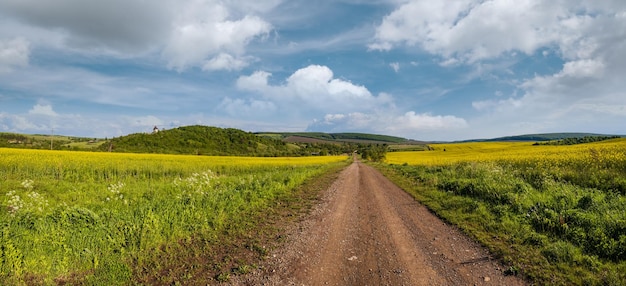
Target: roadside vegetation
[
  {"x": 110, "y": 219},
  {"x": 554, "y": 214}
]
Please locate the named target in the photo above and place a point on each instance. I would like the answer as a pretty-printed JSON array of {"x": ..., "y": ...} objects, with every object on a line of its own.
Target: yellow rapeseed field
[
  {"x": 27, "y": 163},
  {"x": 554, "y": 211},
  {"x": 87, "y": 215},
  {"x": 445, "y": 154}
]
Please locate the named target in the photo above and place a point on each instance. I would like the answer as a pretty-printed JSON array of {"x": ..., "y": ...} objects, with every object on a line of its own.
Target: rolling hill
[
  {"x": 320, "y": 137},
  {"x": 538, "y": 137},
  {"x": 199, "y": 140},
  {"x": 206, "y": 140}
]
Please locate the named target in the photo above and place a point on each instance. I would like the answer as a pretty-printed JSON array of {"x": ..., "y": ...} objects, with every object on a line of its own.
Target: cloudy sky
[{"x": 419, "y": 69}]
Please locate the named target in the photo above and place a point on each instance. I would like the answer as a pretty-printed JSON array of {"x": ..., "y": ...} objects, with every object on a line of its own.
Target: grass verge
[
  {"x": 237, "y": 250},
  {"x": 553, "y": 232}
]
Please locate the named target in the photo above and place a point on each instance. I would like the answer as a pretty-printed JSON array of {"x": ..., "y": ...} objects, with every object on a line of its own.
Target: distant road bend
[{"x": 367, "y": 231}]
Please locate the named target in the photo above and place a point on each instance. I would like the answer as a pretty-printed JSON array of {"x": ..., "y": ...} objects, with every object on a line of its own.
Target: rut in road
[{"x": 367, "y": 231}]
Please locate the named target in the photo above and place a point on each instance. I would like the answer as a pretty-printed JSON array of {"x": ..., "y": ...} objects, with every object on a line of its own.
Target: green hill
[{"x": 199, "y": 140}]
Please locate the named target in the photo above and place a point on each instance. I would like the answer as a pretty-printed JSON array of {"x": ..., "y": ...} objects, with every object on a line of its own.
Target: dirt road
[{"x": 367, "y": 231}]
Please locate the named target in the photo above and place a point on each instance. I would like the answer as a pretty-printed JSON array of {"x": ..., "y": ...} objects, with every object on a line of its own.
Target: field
[
  {"x": 555, "y": 214},
  {"x": 101, "y": 218}
]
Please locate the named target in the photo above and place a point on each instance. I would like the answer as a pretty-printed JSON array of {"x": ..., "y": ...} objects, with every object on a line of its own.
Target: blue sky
[{"x": 419, "y": 69}]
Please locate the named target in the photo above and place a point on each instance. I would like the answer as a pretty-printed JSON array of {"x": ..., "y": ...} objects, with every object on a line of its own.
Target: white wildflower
[
  {"x": 28, "y": 202},
  {"x": 28, "y": 184},
  {"x": 116, "y": 191},
  {"x": 197, "y": 183}
]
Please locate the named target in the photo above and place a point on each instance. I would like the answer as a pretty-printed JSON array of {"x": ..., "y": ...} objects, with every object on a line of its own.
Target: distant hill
[
  {"x": 40, "y": 141},
  {"x": 319, "y": 137},
  {"x": 538, "y": 137},
  {"x": 206, "y": 140},
  {"x": 199, "y": 140}
]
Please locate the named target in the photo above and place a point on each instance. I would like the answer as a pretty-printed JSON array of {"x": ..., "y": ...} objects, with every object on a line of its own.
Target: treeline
[
  {"x": 577, "y": 140},
  {"x": 373, "y": 152}
]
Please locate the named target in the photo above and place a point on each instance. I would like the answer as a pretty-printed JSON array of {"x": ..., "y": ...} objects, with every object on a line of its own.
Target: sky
[{"x": 418, "y": 69}]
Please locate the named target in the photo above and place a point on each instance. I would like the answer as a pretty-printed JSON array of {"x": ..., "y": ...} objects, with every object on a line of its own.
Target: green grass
[
  {"x": 556, "y": 224},
  {"x": 110, "y": 219}
]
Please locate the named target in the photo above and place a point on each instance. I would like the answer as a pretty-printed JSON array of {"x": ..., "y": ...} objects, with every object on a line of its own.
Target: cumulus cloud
[
  {"x": 193, "y": 42},
  {"x": 316, "y": 87},
  {"x": 414, "y": 121},
  {"x": 13, "y": 54},
  {"x": 472, "y": 30},
  {"x": 314, "y": 92},
  {"x": 42, "y": 109},
  {"x": 589, "y": 37}
]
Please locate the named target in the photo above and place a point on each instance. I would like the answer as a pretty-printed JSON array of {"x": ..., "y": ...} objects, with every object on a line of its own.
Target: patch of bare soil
[{"x": 367, "y": 231}]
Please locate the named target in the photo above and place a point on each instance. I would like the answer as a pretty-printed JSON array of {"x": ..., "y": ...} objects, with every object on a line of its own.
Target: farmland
[
  {"x": 553, "y": 213},
  {"x": 82, "y": 217}
]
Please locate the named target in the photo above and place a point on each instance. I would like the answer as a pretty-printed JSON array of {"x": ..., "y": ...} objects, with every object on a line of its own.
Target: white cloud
[
  {"x": 226, "y": 62},
  {"x": 43, "y": 109},
  {"x": 193, "y": 42},
  {"x": 40, "y": 119},
  {"x": 582, "y": 69},
  {"x": 314, "y": 87},
  {"x": 409, "y": 124},
  {"x": 254, "y": 82},
  {"x": 14, "y": 54},
  {"x": 473, "y": 30},
  {"x": 426, "y": 121},
  {"x": 584, "y": 96},
  {"x": 589, "y": 37},
  {"x": 120, "y": 25},
  {"x": 187, "y": 33},
  {"x": 314, "y": 91}
]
